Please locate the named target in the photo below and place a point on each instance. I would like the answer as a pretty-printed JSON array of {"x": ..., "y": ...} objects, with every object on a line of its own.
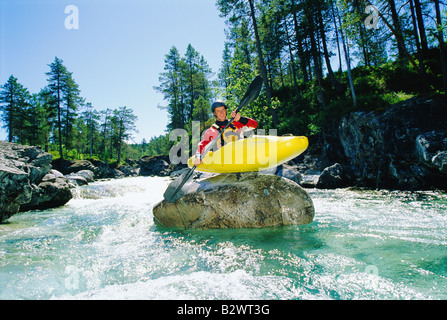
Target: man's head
[{"x": 219, "y": 110}]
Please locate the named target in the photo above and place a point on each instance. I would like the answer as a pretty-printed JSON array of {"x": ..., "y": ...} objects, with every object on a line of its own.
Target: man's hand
[
  {"x": 197, "y": 161},
  {"x": 236, "y": 117}
]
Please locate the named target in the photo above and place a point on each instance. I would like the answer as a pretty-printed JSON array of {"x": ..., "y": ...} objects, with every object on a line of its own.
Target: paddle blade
[
  {"x": 174, "y": 190},
  {"x": 252, "y": 92}
]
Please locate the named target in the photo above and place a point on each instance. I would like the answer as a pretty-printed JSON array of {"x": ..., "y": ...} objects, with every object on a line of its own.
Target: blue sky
[{"x": 117, "y": 53}]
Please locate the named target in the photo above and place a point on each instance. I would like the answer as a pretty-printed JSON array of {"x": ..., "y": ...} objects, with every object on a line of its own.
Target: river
[{"x": 104, "y": 244}]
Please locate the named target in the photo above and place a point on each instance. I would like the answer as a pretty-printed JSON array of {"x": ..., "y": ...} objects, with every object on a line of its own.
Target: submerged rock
[{"x": 248, "y": 200}]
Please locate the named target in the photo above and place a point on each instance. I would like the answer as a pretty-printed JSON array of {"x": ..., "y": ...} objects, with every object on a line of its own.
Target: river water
[{"x": 104, "y": 245}]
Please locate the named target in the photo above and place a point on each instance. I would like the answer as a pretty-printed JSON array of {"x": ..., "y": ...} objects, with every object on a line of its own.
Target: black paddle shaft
[{"x": 173, "y": 192}]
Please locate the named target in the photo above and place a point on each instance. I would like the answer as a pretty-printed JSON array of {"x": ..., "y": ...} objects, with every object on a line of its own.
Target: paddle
[{"x": 174, "y": 190}]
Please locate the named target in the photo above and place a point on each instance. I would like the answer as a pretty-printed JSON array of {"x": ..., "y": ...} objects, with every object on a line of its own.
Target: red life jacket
[{"x": 231, "y": 134}]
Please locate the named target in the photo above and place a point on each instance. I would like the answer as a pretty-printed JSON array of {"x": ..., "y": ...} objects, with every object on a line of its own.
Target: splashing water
[{"x": 104, "y": 245}]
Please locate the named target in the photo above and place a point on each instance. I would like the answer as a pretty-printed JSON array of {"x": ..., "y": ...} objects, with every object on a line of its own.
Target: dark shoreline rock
[
  {"x": 401, "y": 148},
  {"x": 157, "y": 165},
  {"x": 405, "y": 147}
]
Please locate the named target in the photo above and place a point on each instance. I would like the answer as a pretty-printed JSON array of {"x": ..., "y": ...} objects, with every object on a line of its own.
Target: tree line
[
  {"x": 305, "y": 50},
  {"x": 319, "y": 60},
  {"x": 59, "y": 119},
  {"x": 186, "y": 86}
]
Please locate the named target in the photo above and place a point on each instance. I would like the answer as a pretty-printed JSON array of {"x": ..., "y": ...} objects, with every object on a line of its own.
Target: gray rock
[
  {"x": 128, "y": 171},
  {"x": 27, "y": 181},
  {"x": 87, "y": 175},
  {"x": 431, "y": 150},
  {"x": 401, "y": 148},
  {"x": 289, "y": 172},
  {"x": 247, "y": 200},
  {"x": 440, "y": 161},
  {"x": 50, "y": 193},
  {"x": 309, "y": 180},
  {"x": 157, "y": 166},
  {"x": 331, "y": 177},
  {"x": 80, "y": 165},
  {"x": 76, "y": 180}
]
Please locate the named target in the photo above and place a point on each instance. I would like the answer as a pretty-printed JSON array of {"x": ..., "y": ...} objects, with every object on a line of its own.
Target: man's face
[{"x": 220, "y": 113}]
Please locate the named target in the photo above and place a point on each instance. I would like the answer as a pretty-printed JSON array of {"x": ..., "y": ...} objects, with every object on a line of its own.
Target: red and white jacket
[{"x": 232, "y": 133}]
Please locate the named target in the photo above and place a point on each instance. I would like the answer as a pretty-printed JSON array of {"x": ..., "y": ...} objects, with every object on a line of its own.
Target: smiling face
[{"x": 220, "y": 113}]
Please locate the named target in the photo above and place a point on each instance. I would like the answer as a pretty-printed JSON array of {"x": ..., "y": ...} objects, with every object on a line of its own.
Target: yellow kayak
[{"x": 252, "y": 154}]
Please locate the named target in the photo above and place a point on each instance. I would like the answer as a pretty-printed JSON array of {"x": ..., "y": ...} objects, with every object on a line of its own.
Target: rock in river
[{"x": 248, "y": 200}]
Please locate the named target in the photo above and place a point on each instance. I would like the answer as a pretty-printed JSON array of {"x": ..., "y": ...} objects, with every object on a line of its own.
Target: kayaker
[{"x": 232, "y": 133}]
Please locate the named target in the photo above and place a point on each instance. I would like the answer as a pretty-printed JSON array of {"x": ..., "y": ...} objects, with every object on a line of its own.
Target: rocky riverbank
[
  {"x": 30, "y": 179},
  {"x": 28, "y": 182},
  {"x": 403, "y": 147}
]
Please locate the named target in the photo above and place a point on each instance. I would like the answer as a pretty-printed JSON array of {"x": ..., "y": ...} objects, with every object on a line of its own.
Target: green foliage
[
  {"x": 292, "y": 44},
  {"x": 298, "y": 40},
  {"x": 156, "y": 146},
  {"x": 15, "y": 109},
  {"x": 185, "y": 86},
  {"x": 51, "y": 119}
]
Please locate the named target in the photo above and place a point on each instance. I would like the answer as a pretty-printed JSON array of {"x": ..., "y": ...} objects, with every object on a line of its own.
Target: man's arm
[
  {"x": 246, "y": 122},
  {"x": 209, "y": 136}
]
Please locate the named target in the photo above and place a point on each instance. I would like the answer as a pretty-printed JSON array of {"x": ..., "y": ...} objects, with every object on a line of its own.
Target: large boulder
[
  {"x": 80, "y": 165},
  {"x": 53, "y": 191},
  {"x": 331, "y": 177},
  {"x": 431, "y": 150},
  {"x": 289, "y": 172},
  {"x": 15, "y": 190},
  {"x": 249, "y": 200},
  {"x": 154, "y": 166},
  {"x": 403, "y": 147},
  {"x": 25, "y": 180},
  {"x": 100, "y": 169}
]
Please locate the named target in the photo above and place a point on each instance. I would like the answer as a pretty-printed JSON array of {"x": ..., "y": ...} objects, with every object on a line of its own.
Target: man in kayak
[{"x": 232, "y": 133}]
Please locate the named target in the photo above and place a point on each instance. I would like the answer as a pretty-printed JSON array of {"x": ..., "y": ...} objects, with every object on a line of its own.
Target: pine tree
[
  {"x": 91, "y": 117},
  {"x": 123, "y": 122},
  {"x": 172, "y": 88},
  {"x": 47, "y": 116},
  {"x": 106, "y": 116},
  {"x": 442, "y": 50},
  {"x": 64, "y": 99},
  {"x": 72, "y": 101},
  {"x": 14, "y": 100},
  {"x": 191, "y": 78},
  {"x": 184, "y": 82},
  {"x": 57, "y": 78},
  {"x": 224, "y": 72},
  {"x": 239, "y": 10}
]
